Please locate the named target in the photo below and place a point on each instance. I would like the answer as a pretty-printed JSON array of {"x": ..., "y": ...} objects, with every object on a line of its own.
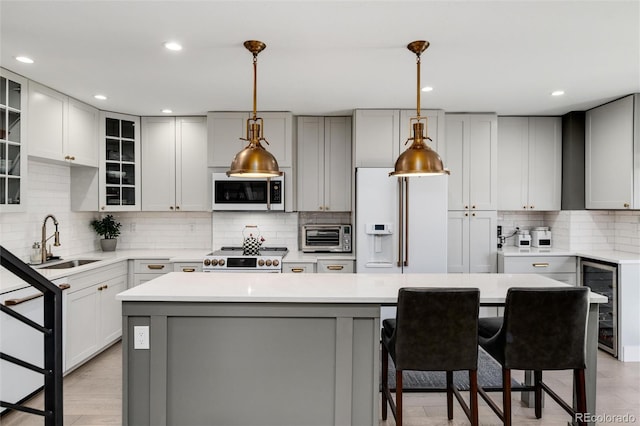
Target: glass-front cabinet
[
  {"x": 120, "y": 162},
  {"x": 13, "y": 99}
]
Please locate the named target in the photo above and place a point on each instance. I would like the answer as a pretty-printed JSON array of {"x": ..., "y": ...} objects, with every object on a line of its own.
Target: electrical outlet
[
  {"x": 132, "y": 227},
  {"x": 141, "y": 337}
]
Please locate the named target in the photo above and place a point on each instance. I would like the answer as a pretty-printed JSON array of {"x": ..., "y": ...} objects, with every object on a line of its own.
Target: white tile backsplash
[{"x": 47, "y": 192}]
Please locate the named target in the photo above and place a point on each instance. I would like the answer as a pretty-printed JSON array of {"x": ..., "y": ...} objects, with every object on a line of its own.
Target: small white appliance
[
  {"x": 541, "y": 237},
  {"x": 522, "y": 239},
  {"x": 247, "y": 194}
]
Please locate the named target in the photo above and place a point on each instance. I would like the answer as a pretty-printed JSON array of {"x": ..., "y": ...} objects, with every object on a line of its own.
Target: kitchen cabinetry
[
  {"x": 324, "y": 164},
  {"x": 61, "y": 128},
  {"x": 147, "y": 269},
  {"x": 174, "y": 164},
  {"x": 560, "y": 268},
  {"x": 299, "y": 268},
  {"x": 530, "y": 169},
  {"x": 472, "y": 156},
  {"x": 13, "y": 156},
  {"x": 612, "y": 155},
  {"x": 119, "y": 175},
  {"x": 187, "y": 267},
  {"x": 380, "y": 135},
  {"x": 472, "y": 241},
  {"x": 93, "y": 318},
  {"x": 333, "y": 266},
  {"x": 226, "y": 129}
]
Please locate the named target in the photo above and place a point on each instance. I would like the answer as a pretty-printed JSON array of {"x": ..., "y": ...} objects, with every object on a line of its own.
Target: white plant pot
[{"x": 108, "y": 244}]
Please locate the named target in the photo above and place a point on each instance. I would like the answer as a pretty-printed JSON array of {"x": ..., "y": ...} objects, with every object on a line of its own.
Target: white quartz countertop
[
  {"x": 322, "y": 288},
  {"x": 612, "y": 256}
]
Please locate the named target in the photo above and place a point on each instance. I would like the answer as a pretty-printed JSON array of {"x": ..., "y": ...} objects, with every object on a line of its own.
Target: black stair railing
[{"x": 52, "y": 331}]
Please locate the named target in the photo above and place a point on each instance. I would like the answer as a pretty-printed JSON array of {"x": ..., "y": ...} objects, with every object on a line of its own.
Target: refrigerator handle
[
  {"x": 400, "y": 224},
  {"x": 406, "y": 221}
]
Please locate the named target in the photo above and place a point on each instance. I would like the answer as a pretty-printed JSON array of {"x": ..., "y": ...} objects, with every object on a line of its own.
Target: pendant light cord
[
  {"x": 418, "y": 91},
  {"x": 255, "y": 84}
]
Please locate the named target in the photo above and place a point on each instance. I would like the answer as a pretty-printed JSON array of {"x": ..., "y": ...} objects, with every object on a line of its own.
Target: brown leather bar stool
[
  {"x": 436, "y": 329},
  {"x": 542, "y": 329}
]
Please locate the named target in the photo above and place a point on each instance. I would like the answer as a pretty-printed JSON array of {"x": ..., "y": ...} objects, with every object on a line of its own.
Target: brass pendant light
[
  {"x": 254, "y": 160},
  {"x": 419, "y": 159}
]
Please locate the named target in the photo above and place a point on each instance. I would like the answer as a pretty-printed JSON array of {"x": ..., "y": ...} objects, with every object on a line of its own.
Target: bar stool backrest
[{"x": 437, "y": 329}]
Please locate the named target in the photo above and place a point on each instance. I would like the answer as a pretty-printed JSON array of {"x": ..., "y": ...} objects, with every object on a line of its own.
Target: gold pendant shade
[
  {"x": 419, "y": 159},
  {"x": 254, "y": 160}
]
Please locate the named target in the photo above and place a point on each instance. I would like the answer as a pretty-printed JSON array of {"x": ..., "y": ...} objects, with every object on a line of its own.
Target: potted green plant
[{"x": 109, "y": 229}]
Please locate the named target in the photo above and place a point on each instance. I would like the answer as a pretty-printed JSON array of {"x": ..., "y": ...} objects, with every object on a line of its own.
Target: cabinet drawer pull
[
  {"x": 64, "y": 286},
  {"x": 335, "y": 267},
  {"x": 297, "y": 269},
  {"x": 540, "y": 265},
  {"x": 188, "y": 269},
  {"x": 626, "y": 205},
  {"x": 14, "y": 302},
  {"x": 155, "y": 266}
]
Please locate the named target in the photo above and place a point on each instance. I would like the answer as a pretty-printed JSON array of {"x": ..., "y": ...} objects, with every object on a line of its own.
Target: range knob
[
  {"x": 221, "y": 262},
  {"x": 206, "y": 262},
  {"x": 260, "y": 262},
  {"x": 214, "y": 262},
  {"x": 275, "y": 262},
  {"x": 268, "y": 262}
]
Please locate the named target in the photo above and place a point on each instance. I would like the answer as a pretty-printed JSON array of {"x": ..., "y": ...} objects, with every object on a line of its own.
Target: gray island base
[{"x": 274, "y": 349}]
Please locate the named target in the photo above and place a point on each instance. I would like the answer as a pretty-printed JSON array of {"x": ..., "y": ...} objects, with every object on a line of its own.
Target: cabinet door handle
[
  {"x": 540, "y": 265},
  {"x": 626, "y": 205},
  {"x": 155, "y": 266},
  {"x": 100, "y": 288},
  {"x": 524, "y": 207},
  {"x": 335, "y": 267},
  {"x": 177, "y": 207},
  {"x": 170, "y": 207},
  {"x": 473, "y": 214},
  {"x": 64, "y": 286},
  {"x": 532, "y": 207},
  {"x": 14, "y": 302},
  {"x": 297, "y": 269},
  {"x": 188, "y": 269},
  {"x": 473, "y": 207}
]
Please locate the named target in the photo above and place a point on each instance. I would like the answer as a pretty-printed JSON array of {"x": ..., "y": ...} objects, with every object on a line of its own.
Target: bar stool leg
[
  {"x": 450, "y": 395},
  {"x": 385, "y": 380},
  {"x": 506, "y": 396},
  {"x": 581, "y": 393},
  {"x": 473, "y": 397},
  {"x": 398, "y": 398},
  {"x": 537, "y": 379}
]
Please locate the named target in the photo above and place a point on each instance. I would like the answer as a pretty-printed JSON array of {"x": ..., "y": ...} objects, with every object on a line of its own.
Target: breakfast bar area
[{"x": 276, "y": 349}]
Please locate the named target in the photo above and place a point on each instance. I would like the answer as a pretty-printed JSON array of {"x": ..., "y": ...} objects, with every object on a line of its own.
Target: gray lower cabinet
[
  {"x": 333, "y": 266},
  {"x": 560, "y": 268},
  {"x": 147, "y": 269},
  {"x": 187, "y": 267},
  {"x": 93, "y": 316},
  {"x": 251, "y": 364},
  {"x": 298, "y": 268}
]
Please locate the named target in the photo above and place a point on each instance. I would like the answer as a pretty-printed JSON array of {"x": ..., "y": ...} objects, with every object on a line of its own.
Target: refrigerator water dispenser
[{"x": 380, "y": 245}]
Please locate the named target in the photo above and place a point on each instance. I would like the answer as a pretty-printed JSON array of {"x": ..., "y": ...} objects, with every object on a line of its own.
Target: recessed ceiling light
[
  {"x": 100, "y": 97},
  {"x": 172, "y": 45},
  {"x": 24, "y": 59},
  {"x": 167, "y": 111},
  {"x": 427, "y": 89},
  {"x": 557, "y": 93}
]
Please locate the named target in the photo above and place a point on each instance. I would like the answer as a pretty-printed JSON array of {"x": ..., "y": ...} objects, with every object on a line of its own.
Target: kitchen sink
[{"x": 70, "y": 264}]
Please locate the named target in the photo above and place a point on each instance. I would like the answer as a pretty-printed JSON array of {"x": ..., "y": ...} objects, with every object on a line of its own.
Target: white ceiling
[{"x": 328, "y": 57}]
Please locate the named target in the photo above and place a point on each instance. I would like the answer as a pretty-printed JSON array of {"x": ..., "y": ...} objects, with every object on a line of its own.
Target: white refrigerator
[{"x": 400, "y": 224}]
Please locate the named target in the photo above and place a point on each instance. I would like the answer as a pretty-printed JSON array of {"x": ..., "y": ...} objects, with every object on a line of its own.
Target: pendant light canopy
[
  {"x": 419, "y": 159},
  {"x": 254, "y": 160}
]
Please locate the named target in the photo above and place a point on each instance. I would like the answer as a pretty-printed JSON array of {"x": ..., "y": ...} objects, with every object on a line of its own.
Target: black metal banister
[
  {"x": 23, "y": 364},
  {"x": 52, "y": 330}
]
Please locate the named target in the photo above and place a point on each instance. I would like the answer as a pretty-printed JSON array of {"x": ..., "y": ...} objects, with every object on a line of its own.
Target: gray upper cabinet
[
  {"x": 471, "y": 154},
  {"x": 612, "y": 155},
  {"x": 530, "y": 167},
  {"x": 324, "y": 164}
]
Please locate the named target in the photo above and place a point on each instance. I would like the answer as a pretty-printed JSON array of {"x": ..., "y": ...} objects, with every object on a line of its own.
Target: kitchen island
[{"x": 275, "y": 349}]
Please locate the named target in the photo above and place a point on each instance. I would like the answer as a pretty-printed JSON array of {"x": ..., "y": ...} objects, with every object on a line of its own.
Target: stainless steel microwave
[
  {"x": 247, "y": 194},
  {"x": 326, "y": 238}
]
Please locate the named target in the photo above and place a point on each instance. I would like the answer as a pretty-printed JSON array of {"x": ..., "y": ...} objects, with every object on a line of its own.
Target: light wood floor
[{"x": 93, "y": 396}]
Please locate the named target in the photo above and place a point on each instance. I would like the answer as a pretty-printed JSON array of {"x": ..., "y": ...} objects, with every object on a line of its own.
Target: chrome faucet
[{"x": 56, "y": 234}]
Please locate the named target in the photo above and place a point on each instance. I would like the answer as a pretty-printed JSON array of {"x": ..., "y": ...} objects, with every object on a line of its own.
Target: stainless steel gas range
[{"x": 233, "y": 259}]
